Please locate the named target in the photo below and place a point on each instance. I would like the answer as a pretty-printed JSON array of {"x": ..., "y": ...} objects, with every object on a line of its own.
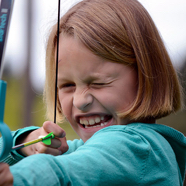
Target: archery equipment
[{"x": 5, "y": 14}]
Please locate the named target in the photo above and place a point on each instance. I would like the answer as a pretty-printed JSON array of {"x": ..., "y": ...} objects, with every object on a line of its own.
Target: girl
[{"x": 115, "y": 79}]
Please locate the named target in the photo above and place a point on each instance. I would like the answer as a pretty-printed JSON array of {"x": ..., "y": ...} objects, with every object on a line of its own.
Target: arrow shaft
[{"x": 31, "y": 142}]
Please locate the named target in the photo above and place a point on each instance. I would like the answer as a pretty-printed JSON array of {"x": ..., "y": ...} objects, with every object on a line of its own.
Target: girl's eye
[
  {"x": 98, "y": 84},
  {"x": 67, "y": 85}
]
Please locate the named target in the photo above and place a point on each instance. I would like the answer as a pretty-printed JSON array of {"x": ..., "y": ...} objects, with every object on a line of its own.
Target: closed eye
[
  {"x": 67, "y": 85},
  {"x": 98, "y": 84}
]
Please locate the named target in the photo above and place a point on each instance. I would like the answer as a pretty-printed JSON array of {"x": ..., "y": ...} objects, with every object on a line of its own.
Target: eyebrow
[
  {"x": 93, "y": 77},
  {"x": 90, "y": 78}
]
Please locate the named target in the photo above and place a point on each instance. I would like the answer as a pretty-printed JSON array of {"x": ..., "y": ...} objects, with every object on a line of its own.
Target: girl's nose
[{"x": 82, "y": 101}]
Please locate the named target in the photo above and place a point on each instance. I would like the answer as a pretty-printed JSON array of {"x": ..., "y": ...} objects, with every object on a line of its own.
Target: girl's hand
[
  {"x": 6, "y": 177},
  {"x": 58, "y": 144}
]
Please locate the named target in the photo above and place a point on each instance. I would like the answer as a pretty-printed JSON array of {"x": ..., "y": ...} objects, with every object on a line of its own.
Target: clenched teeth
[
  {"x": 91, "y": 121},
  {"x": 101, "y": 125}
]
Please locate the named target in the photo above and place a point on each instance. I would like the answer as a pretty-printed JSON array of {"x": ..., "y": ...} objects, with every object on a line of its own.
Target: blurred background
[{"x": 24, "y": 68}]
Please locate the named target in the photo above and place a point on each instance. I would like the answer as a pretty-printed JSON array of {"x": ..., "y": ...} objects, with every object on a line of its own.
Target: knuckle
[
  {"x": 45, "y": 124},
  {"x": 66, "y": 147},
  {"x": 41, "y": 148}
]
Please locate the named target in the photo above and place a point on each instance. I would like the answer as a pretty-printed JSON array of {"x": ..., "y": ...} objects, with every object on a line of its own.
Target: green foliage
[{"x": 13, "y": 108}]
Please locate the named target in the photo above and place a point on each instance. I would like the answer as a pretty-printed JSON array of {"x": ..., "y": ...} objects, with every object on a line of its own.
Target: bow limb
[
  {"x": 5, "y": 12},
  {"x": 5, "y": 131}
]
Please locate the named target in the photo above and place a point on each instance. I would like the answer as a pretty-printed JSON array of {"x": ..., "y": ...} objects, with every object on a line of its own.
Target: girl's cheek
[{"x": 66, "y": 103}]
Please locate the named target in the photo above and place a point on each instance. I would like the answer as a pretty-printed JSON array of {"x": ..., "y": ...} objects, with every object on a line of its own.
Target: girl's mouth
[{"x": 94, "y": 121}]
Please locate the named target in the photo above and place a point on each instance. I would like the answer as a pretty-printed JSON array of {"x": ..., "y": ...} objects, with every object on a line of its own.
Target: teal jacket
[{"x": 134, "y": 154}]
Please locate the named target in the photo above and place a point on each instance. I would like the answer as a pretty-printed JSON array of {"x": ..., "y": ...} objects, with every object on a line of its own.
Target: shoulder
[
  {"x": 138, "y": 148},
  {"x": 122, "y": 135},
  {"x": 122, "y": 139},
  {"x": 138, "y": 138},
  {"x": 134, "y": 133}
]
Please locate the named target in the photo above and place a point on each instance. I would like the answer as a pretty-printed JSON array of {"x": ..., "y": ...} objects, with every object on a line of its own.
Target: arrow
[{"x": 46, "y": 140}]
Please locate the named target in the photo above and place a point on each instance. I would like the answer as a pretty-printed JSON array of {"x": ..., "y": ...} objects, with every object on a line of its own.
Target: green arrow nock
[{"x": 47, "y": 139}]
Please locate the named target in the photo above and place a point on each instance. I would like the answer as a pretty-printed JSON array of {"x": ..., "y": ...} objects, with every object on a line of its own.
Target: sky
[{"x": 168, "y": 15}]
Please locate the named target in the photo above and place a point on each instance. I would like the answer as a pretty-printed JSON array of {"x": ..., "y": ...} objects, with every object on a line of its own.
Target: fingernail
[{"x": 63, "y": 134}]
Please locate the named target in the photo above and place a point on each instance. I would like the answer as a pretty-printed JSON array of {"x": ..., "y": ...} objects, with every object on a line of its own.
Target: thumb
[{"x": 49, "y": 126}]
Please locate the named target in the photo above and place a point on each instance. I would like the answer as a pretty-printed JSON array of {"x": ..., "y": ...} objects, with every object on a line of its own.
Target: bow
[{"x": 5, "y": 14}]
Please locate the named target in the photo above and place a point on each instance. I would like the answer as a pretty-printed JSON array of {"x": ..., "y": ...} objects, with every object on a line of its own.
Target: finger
[
  {"x": 6, "y": 178},
  {"x": 49, "y": 126},
  {"x": 3, "y": 166},
  {"x": 55, "y": 143},
  {"x": 64, "y": 146},
  {"x": 47, "y": 150}
]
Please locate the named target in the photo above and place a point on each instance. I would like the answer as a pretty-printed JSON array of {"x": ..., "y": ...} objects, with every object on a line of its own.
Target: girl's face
[{"x": 92, "y": 90}]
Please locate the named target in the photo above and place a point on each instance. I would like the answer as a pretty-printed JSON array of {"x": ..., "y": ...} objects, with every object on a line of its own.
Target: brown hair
[{"x": 121, "y": 31}]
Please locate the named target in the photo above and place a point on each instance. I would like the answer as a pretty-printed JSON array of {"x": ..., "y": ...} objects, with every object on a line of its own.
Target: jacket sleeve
[
  {"x": 107, "y": 158},
  {"x": 13, "y": 156}
]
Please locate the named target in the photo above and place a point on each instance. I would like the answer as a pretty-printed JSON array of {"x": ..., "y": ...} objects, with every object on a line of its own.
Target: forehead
[
  {"x": 74, "y": 55},
  {"x": 78, "y": 62}
]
